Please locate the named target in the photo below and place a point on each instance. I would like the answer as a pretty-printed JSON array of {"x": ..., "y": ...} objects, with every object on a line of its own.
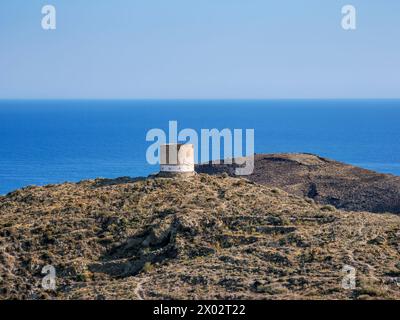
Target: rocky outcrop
[{"x": 325, "y": 181}]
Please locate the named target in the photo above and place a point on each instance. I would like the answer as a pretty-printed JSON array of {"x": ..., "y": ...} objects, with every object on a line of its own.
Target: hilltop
[
  {"x": 201, "y": 237},
  {"x": 325, "y": 181}
]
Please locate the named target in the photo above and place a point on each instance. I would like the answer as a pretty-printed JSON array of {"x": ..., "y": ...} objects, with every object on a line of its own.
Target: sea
[{"x": 54, "y": 141}]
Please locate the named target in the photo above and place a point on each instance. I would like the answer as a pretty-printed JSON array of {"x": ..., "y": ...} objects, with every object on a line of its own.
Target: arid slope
[
  {"x": 208, "y": 237},
  {"x": 326, "y": 181}
]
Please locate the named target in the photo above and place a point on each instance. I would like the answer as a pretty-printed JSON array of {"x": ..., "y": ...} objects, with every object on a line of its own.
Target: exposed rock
[{"x": 325, "y": 181}]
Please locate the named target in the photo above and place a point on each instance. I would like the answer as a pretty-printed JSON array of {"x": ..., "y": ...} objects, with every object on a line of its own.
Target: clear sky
[{"x": 207, "y": 49}]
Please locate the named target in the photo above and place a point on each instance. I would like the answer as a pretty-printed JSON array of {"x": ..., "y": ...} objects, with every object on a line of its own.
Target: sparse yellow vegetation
[
  {"x": 201, "y": 237},
  {"x": 148, "y": 267}
]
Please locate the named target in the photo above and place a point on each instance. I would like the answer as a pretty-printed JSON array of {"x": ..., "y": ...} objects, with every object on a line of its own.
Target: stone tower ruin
[{"x": 176, "y": 159}]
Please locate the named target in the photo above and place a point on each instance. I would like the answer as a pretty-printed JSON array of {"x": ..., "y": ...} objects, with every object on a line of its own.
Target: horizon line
[{"x": 196, "y": 99}]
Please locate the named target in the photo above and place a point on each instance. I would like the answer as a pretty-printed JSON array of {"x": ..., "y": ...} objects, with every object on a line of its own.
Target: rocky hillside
[
  {"x": 326, "y": 181},
  {"x": 207, "y": 237}
]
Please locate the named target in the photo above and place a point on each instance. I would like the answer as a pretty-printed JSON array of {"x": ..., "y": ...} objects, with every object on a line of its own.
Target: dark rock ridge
[
  {"x": 325, "y": 181},
  {"x": 199, "y": 237}
]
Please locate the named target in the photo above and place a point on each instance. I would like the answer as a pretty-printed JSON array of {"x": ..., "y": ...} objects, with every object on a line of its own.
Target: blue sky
[{"x": 199, "y": 49}]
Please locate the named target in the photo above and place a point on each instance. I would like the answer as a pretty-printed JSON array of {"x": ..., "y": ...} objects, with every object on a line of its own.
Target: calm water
[{"x": 57, "y": 141}]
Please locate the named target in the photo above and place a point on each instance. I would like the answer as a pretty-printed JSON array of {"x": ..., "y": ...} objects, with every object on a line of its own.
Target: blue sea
[{"x": 46, "y": 142}]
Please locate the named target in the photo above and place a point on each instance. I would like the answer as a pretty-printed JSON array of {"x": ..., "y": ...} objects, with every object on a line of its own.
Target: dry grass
[{"x": 207, "y": 237}]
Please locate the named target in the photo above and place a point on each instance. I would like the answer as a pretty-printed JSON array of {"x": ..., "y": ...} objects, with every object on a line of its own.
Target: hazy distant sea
[{"x": 44, "y": 142}]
